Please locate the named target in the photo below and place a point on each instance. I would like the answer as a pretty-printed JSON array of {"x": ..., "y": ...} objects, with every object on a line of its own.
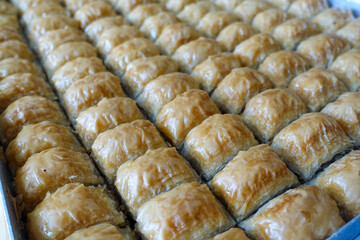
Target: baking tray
[{"x": 350, "y": 231}]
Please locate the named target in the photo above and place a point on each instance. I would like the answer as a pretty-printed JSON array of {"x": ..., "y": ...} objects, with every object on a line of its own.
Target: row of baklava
[{"x": 43, "y": 152}]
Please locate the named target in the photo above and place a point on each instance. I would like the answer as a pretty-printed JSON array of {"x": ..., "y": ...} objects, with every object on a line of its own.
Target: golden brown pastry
[
  {"x": 350, "y": 32},
  {"x": 189, "y": 211},
  {"x": 270, "y": 111},
  {"x": 42, "y": 10},
  {"x": 9, "y": 33},
  {"x": 340, "y": 180},
  {"x": 317, "y": 87},
  {"x": 124, "y": 143},
  {"x": 74, "y": 5},
  {"x": 38, "y": 137},
  {"x": 27, "y": 110},
  {"x": 154, "y": 25},
  {"x": 9, "y": 21},
  {"x": 307, "y": 8},
  {"x": 125, "y": 6},
  {"x": 281, "y": 67},
  {"x": 88, "y": 91},
  {"x": 7, "y": 8},
  {"x": 115, "y": 36},
  {"x": 183, "y": 113},
  {"x": 15, "y": 49},
  {"x": 191, "y": 54},
  {"x": 122, "y": 55},
  {"x": 193, "y": 13},
  {"x": 107, "y": 114},
  {"x": 282, "y": 4},
  {"x": 232, "y": 234},
  {"x": 71, "y": 208},
  {"x": 50, "y": 169},
  {"x": 255, "y": 49},
  {"x": 138, "y": 15},
  {"x": 52, "y": 39},
  {"x": 75, "y": 70},
  {"x": 18, "y": 85},
  {"x": 40, "y": 26},
  {"x": 228, "y": 5},
  {"x": 92, "y": 11},
  {"x": 163, "y": 90},
  {"x": 214, "y": 21},
  {"x": 143, "y": 70},
  {"x": 101, "y": 231},
  {"x": 214, "y": 69},
  {"x": 11, "y": 66},
  {"x": 247, "y": 9},
  {"x": 250, "y": 179},
  {"x": 23, "y": 5},
  {"x": 158, "y": 170},
  {"x": 267, "y": 20},
  {"x": 214, "y": 142},
  {"x": 321, "y": 50},
  {"x": 67, "y": 52},
  {"x": 332, "y": 19},
  {"x": 346, "y": 111},
  {"x": 177, "y": 5},
  {"x": 238, "y": 87},
  {"x": 309, "y": 142},
  {"x": 293, "y": 31},
  {"x": 234, "y": 34},
  {"x": 94, "y": 30},
  {"x": 347, "y": 68},
  {"x": 301, "y": 213},
  {"x": 175, "y": 35}
]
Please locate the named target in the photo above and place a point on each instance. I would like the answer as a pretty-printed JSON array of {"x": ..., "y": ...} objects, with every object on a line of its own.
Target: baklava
[
  {"x": 138, "y": 15},
  {"x": 177, "y": 5},
  {"x": 11, "y": 66},
  {"x": 232, "y": 234},
  {"x": 332, "y": 19},
  {"x": 101, "y": 231},
  {"x": 247, "y": 9},
  {"x": 9, "y": 21},
  {"x": 228, "y": 5},
  {"x": 9, "y": 33},
  {"x": 125, "y": 6},
  {"x": 350, "y": 32},
  {"x": 15, "y": 49},
  {"x": 23, "y": 5},
  {"x": 193, "y": 13},
  {"x": 214, "y": 21},
  {"x": 267, "y": 20},
  {"x": 307, "y": 8},
  {"x": 42, "y": 10},
  {"x": 93, "y": 10}
]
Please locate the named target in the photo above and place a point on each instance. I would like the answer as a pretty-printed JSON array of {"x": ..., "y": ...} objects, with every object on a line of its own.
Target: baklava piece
[
  {"x": 7, "y": 8},
  {"x": 67, "y": 52},
  {"x": 27, "y": 110},
  {"x": 107, "y": 114},
  {"x": 191, "y": 54},
  {"x": 332, "y": 19},
  {"x": 307, "y": 8},
  {"x": 309, "y": 142},
  {"x": 50, "y": 169},
  {"x": 281, "y": 67},
  {"x": 267, "y": 20},
  {"x": 154, "y": 25},
  {"x": 12, "y": 66},
  {"x": 175, "y": 35},
  {"x": 346, "y": 111},
  {"x": 139, "y": 14},
  {"x": 238, "y": 87},
  {"x": 193, "y": 13},
  {"x": 124, "y": 143},
  {"x": 74, "y": 70},
  {"x": 350, "y": 32},
  {"x": 270, "y": 111},
  {"x": 115, "y": 36},
  {"x": 23, "y": 5},
  {"x": 74, "y": 5},
  {"x": 94, "y": 30},
  {"x": 214, "y": 142},
  {"x": 92, "y": 11},
  {"x": 234, "y": 34},
  {"x": 125, "y": 6},
  {"x": 290, "y": 33},
  {"x": 341, "y": 180},
  {"x": 214, "y": 69},
  {"x": 70, "y": 208},
  {"x": 88, "y": 91},
  {"x": 158, "y": 170},
  {"x": 19, "y": 85},
  {"x": 189, "y": 211},
  {"x": 9, "y": 33},
  {"x": 347, "y": 68},
  {"x": 317, "y": 87},
  {"x": 228, "y": 5},
  {"x": 163, "y": 90},
  {"x": 101, "y": 231},
  {"x": 9, "y": 21},
  {"x": 247, "y": 10},
  {"x": 301, "y": 213},
  {"x": 42, "y": 10},
  {"x": 250, "y": 179},
  {"x": 120, "y": 56},
  {"x": 35, "y": 138},
  {"x": 15, "y": 49},
  {"x": 321, "y": 50},
  {"x": 282, "y": 4},
  {"x": 177, "y": 5},
  {"x": 255, "y": 49},
  {"x": 143, "y": 70},
  {"x": 182, "y": 114},
  {"x": 213, "y": 22},
  {"x": 232, "y": 234}
]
